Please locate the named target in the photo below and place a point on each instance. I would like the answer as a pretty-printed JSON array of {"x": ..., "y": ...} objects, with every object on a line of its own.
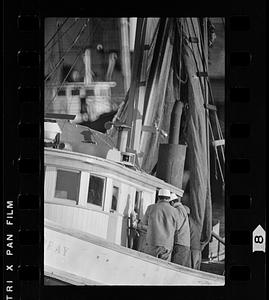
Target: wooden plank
[
  {"x": 210, "y": 107},
  {"x": 59, "y": 116},
  {"x": 218, "y": 143}
]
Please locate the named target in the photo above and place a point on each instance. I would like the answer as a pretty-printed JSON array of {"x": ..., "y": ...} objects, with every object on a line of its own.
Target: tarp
[
  {"x": 160, "y": 111},
  {"x": 200, "y": 196}
]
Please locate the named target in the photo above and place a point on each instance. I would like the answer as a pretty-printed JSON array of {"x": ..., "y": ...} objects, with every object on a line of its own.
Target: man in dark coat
[
  {"x": 162, "y": 221},
  {"x": 181, "y": 252}
]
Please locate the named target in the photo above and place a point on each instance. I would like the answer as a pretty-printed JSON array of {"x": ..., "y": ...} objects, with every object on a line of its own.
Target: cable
[
  {"x": 202, "y": 56},
  {"x": 151, "y": 47},
  {"x": 211, "y": 130},
  {"x": 68, "y": 50},
  {"x": 76, "y": 19},
  {"x": 216, "y": 152},
  {"x": 59, "y": 88},
  {"x": 196, "y": 63},
  {"x": 74, "y": 63},
  {"x": 58, "y": 29}
]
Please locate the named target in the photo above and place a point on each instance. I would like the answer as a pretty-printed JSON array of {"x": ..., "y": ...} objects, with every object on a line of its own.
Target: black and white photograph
[{"x": 134, "y": 151}]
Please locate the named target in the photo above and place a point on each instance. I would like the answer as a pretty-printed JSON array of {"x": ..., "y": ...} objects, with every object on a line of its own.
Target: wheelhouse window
[
  {"x": 67, "y": 185},
  {"x": 115, "y": 197},
  {"x": 137, "y": 205},
  {"x": 96, "y": 190}
]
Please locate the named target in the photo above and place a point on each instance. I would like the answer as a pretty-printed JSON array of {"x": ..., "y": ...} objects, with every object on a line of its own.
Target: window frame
[
  {"x": 50, "y": 188},
  {"x": 95, "y": 206},
  {"x": 65, "y": 200},
  {"x": 118, "y": 200}
]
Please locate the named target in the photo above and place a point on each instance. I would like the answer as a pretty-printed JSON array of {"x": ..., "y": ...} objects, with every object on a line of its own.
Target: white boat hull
[{"x": 83, "y": 259}]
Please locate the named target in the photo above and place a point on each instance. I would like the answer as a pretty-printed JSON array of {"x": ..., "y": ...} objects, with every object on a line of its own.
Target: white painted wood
[
  {"x": 147, "y": 199},
  {"x": 120, "y": 238},
  {"x": 67, "y": 277},
  {"x": 107, "y": 168},
  {"x": 93, "y": 259},
  {"x": 114, "y": 231},
  {"x": 77, "y": 217},
  {"x": 91, "y": 218},
  {"x": 125, "y": 200},
  {"x": 50, "y": 182},
  {"x": 125, "y": 53},
  {"x": 88, "y": 70},
  {"x": 84, "y": 186},
  {"x": 132, "y": 27},
  {"x": 108, "y": 194},
  {"x": 114, "y": 228}
]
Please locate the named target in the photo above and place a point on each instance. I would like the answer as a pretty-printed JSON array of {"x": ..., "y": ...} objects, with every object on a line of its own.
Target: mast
[
  {"x": 155, "y": 97},
  {"x": 88, "y": 70},
  {"x": 132, "y": 112},
  {"x": 207, "y": 226},
  {"x": 125, "y": 53}
]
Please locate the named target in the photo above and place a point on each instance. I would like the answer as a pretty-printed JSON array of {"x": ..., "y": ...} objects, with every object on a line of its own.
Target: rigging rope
[
  {"x": 196, "y": 63},
  {"x": 61, "y": 85},
  {"x": 202, "y": 56},
  {"x": 58, "y": 29},
  {"x": 68, "y": 50},
  {"x": 219, "y": 131},
  {"x": 151, "y": 47},
  {"x": 71, "y": 68},
  {"x": 61, "y": 36},
  {"x": 211, "y": 94}
]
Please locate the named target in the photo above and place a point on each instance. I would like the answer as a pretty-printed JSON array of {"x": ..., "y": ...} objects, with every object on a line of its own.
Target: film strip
[{"x": 23, "y": 161}]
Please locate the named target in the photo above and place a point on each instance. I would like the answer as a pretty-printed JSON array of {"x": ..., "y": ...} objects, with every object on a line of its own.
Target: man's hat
[
  {"x": 173, "y": 196},
  {"x": 164, "y": 193}
]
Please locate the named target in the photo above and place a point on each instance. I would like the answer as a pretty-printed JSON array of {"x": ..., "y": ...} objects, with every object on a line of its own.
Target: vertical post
[
  {"x": 122, "y": 138},
  {"x": 133, "y": 22},
  {"x": 88, "y": 67},
  {"x": 205, "y": 50},
  {"x": 139, "y": 105},
  {"x": 125, "y": 53},
  {"x": 156, "y": 95},
  {"x": 136, "y": 79}
]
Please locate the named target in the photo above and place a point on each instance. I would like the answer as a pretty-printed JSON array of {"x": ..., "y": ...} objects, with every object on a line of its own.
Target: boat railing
[
  {"x": 220, "y": 241},
  {"x": 135, "y": 231},
  {"x": 86, "y": 101},
  {"x": 80, "y": 88}
]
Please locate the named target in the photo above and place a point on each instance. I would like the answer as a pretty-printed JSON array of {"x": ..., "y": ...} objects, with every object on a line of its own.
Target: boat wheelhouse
[{"x": 96, "y": 195}]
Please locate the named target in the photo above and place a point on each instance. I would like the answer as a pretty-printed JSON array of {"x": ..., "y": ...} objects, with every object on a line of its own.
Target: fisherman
[
  {"x": 161, "y": 221},
  {"x": 195, "y": 247},
  {"x": 196, "y": 250},
  {"x": 181, "y": 254}
]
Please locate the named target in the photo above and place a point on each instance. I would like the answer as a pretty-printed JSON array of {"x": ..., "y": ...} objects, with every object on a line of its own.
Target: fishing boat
[{"x": 93, "y": 186}]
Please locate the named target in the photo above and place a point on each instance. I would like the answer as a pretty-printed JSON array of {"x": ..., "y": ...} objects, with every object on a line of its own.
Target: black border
[{"x": 253, "y": 148}]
